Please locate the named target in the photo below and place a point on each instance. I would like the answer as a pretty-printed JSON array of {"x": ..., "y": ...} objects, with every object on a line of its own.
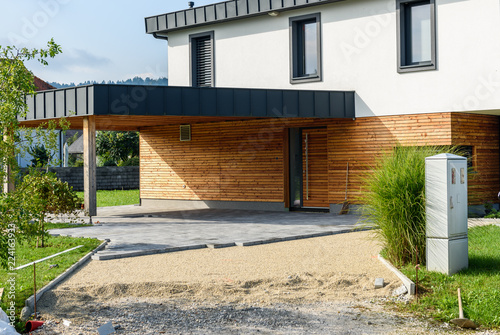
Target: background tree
[
  {"x": 41, "y": 155},
  {"x": 117, "y": 147}
]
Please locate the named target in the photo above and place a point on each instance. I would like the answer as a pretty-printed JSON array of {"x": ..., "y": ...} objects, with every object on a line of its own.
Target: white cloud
[{"x": 79, "y": 59}]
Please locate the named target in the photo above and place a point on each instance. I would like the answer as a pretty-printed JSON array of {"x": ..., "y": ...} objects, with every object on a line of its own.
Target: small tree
[
  {"x": 43, "y": 194},
  {"x": 395, "y": 201}
]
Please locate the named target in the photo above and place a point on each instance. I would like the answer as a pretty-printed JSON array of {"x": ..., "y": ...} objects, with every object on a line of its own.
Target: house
[
  {"x": 42, "y": 85},
  {"x": 76, "y": 148},
  {"x": 270, "y": 100}
]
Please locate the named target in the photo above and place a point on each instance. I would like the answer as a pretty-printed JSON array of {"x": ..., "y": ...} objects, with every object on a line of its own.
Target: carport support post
[
  {"x": 89, "y": 165},
  {"x": 8, "y": 182}
]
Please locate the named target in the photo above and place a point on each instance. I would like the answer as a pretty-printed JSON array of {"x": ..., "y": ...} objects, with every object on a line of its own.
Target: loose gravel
[
  {"x": 149, "y": 316},
  {"x": 314, "y": 286}
]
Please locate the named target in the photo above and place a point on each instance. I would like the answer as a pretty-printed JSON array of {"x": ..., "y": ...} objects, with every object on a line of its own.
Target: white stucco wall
[{"x": 359, "y": 51}]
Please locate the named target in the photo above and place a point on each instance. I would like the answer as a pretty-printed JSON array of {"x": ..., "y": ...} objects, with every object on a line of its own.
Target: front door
[{"x": 308, "y": 168}]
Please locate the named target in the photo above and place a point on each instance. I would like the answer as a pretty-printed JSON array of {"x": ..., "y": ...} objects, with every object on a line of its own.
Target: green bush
[
  {"x": 493, "y": 214},
  {"x": 78, "y": 163},
  {"x": 117, "y": 145},
  {"x": 133, "y": 161},
  {"x": 109, "y": 163},
  {"x": 395, "y": 201}
]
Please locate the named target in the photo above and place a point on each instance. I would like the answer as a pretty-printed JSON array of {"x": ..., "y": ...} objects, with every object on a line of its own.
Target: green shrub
[
  {"x": 493, "y": 214},
  {"x": 117, "y": 145},
  {"x": 133, "y": 161},
  {"x": 395, "y": 201},
  {"x": 109, "y": 163}
]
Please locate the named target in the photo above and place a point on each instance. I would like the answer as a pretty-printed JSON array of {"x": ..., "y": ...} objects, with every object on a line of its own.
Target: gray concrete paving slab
[{"x": 136, "y": 230}]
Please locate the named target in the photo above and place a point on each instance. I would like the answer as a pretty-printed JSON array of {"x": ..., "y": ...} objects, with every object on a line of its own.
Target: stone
[
  {"x": 106, "y": 329},
  {"x": 400, "y": 291},
  {"x": 25, "y": 314},
  {"x": 379, "y": 283}
]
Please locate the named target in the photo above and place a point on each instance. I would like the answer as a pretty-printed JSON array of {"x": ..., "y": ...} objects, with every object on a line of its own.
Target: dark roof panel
[
  {"x": 221, "y": 12},
  {"x": 102, "y": 99}
]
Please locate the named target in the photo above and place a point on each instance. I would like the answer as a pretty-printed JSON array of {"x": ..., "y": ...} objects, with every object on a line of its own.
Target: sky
[{"x": 100, "y": 39}]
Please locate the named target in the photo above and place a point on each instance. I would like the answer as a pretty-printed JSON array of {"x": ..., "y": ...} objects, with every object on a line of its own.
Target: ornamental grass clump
[{"x": 395, "y": 201}]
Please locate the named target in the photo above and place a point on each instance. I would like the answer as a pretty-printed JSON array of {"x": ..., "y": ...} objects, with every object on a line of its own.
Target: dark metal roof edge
[
  {"x": 285, "y": 6},
  {"x": 121, "y": 99}
]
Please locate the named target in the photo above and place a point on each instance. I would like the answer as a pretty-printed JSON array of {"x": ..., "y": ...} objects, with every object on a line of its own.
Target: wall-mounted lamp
[
  {"x": 273, "y": 13},
  {"x": 191, "y": 4}
]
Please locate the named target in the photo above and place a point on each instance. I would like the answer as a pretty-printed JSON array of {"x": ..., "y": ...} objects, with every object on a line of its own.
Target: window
[
  {"x": 416, "y": 35},
  {"x": 305, "y": 48},
  {"x": 202, "y": 60}
]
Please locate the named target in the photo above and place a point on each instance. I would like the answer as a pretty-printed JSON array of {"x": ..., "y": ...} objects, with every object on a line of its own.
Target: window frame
[
  {"x": 401, "y": 7},
  {"x": 193, "y": 59},
  {"x": 294, "y": 23}
]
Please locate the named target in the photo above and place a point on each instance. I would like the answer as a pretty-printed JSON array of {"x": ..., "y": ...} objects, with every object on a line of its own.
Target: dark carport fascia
[
  {"x": 123, "y": 100},
  {"x": 160, "y": 25}
]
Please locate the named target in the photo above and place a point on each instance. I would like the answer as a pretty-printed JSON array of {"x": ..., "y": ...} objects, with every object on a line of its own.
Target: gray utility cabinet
[{"x": 446, "y": 212}]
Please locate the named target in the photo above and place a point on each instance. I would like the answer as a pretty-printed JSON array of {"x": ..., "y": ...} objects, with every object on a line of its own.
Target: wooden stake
[
  {"x": 34, "y": 284},
  {"x": 416, "y": 273}
]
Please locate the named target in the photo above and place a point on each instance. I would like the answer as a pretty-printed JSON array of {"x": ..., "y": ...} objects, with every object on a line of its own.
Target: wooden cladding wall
[
  {"x": 245, "y": 160},
  {"x": 359, "y": 142},
  {"x": 482, "y": 133},
  {"x": 233, "y": 161},
  {"x": 171, "y": 169}
]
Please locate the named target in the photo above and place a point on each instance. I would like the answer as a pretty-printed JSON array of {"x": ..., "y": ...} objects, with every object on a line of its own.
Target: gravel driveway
[{"x": 314, "y": 286}]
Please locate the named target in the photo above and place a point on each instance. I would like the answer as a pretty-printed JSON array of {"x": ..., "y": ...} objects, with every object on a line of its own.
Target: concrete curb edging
[
  {"x": 105, "y": 257},
  {"x": 30, "y": 302},
  {"x": 292, "y": 238},
  {"x": 410, "y": 286},
  {"x": 150, "y": 252}
]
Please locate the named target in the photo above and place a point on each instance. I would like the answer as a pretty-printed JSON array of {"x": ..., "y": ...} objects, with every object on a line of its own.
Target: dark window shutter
[{"x": 204, "y": 59}]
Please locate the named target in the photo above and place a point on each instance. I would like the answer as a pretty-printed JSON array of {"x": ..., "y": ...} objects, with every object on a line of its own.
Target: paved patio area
[{"x": 136, "y": 230}]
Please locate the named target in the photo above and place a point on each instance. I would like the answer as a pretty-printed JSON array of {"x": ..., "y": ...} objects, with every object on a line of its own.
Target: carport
[{"x": 130, "y": 108}]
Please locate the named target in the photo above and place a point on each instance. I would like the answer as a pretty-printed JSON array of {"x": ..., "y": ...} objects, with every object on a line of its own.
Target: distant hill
[{"x": 135, "y": 81}]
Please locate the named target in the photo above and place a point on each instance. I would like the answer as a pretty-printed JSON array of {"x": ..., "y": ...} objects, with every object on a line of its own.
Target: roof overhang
[
  {"x": 130, "y": 107},
  {"x": 161, "y": 25}
]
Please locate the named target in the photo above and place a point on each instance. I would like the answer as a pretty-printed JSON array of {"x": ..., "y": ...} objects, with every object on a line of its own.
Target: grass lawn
[
  {"x": 26, "y": 253},
  {"x": 115, "y": 198},
  {"x": 479, "y": 284}
]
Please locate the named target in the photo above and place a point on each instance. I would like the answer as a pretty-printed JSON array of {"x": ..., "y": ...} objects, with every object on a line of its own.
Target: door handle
[{"x": 307, "y": 166}]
